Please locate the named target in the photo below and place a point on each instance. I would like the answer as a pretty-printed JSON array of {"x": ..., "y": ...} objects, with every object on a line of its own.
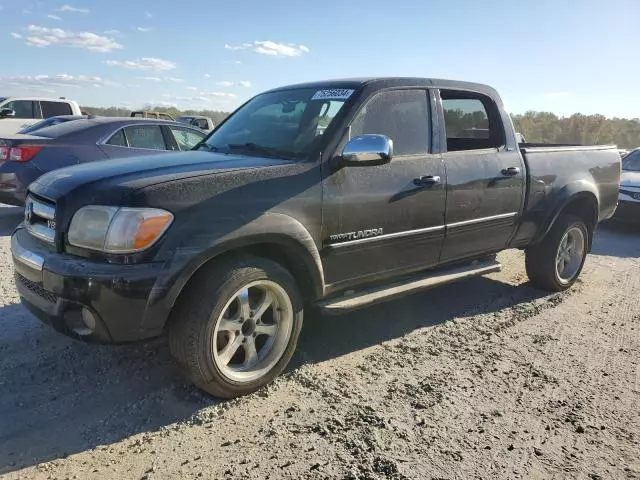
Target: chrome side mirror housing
[{"x": 365, "y": 150}]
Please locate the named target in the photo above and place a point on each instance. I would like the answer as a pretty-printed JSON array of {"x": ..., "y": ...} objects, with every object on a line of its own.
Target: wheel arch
[
  {"x": 284, "y": 240},
  {"x": 579, "y": 199}
]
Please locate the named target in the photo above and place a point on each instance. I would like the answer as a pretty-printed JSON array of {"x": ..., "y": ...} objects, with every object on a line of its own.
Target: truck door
[
  {"x": 386, "y": 219},
  {"x": 485, "y": 178}
]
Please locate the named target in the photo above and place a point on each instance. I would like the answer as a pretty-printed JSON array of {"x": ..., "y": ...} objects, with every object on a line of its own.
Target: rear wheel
[
  {"x": 237, "y": 327},
  {"x": 556, "y": 262}
]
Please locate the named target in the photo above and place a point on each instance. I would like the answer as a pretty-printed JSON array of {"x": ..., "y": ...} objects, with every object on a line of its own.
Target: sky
[{"x": 563, "y": 56}]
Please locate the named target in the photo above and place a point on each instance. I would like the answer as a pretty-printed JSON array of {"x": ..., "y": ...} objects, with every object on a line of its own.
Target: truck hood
[
  {"x": 125, "y": 175},
  {"x": 629, "y": 179}
]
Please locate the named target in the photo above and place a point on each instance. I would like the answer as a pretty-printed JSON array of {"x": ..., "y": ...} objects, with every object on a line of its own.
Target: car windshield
[
  {"x": 632, "y": 162},
  {"x": 284, "y": 124}
]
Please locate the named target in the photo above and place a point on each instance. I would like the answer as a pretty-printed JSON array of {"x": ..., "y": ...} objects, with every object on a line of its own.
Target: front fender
[{"x": 270, "y": 229}]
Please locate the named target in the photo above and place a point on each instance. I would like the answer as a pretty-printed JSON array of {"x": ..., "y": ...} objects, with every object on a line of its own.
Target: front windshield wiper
[{"x": 261, "y": 149}]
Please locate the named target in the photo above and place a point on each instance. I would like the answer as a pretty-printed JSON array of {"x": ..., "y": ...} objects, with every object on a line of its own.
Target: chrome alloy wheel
[
  {"x": 253, "y": 331},
  {"x": 570, "y": 254}
]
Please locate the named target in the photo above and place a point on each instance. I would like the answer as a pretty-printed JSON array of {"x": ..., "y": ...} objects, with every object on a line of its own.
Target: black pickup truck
[{"x": 334, "y": 194}]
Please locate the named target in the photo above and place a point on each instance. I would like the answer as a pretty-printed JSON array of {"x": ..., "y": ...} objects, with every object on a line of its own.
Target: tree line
[{"x": 543, "y": 127}]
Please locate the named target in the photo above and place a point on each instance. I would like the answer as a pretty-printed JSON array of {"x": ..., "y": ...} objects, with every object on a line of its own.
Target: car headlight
[{"x": 117, "y": 230}]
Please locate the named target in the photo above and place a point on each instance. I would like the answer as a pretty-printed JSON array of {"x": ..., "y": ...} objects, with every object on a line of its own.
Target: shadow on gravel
[
  {"x": 617, "y": 240},
  {"x": 10, "y": 217},
  {"x": 61, "y": 397},
  {"x": 326, "y": 337}
]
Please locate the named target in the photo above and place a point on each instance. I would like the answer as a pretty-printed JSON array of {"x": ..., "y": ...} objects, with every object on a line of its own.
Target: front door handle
[
  {"x": 511, "y": 171},
  {"x": 426, "y": 180}
]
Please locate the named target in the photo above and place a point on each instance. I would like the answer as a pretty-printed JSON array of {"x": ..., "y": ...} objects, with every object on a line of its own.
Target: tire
[
  {"x": 542, "y": 259},
  {"x": 218, "y": 318}
]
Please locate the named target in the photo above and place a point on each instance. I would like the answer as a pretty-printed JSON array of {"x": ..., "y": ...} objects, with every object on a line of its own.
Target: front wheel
[
  {"x": 556, "y": 262},
  {"x": 237, "y": 326}
]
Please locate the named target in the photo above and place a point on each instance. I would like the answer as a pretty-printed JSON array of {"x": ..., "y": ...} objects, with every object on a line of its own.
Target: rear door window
[
  {"x": 472, "y": 121},
  {"x": 186, "y": 139},
  {"x": 53, "y": 109},
  {"x": 145, "y": 136},
  {"x": 23, "y": 108}
]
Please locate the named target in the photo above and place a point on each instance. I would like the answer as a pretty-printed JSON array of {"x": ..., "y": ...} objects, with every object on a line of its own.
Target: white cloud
[
  {"x": 150, "y": 79},
  {"x": 271, "y": 48},
  {"x": 62, "y": 80},
  {"x": 234, "y": 62},
  {"x": 145, "y": 63},
  {"x": 53, "y": 17},
  {"x": 234, "y": 84},
  {"x": 556, "y": 94},
  {"x": 144, "y": 29},
  {"x": 193, "y": 89},
  {"x": 174, "y": 79},
  {"x": 26, "y": 11},
  {"x": 44, "y": 37},
  {"x": 206, "y": 75},
  {"x": 15, "y": 35},
  {"x": 217, "y": 94},
  {"x": 148, "y": 14},
  {"x": 112, "y": 32},
  {"x": 69, "y": 8}
]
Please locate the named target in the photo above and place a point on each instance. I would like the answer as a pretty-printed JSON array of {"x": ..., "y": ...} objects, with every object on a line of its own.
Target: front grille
[
  {"x": 40, "y": 219},
  {"x": 36, "y": 288}
]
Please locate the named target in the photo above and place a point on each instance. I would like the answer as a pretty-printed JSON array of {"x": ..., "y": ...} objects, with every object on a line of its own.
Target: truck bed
[{"x": 556, "y": 170}]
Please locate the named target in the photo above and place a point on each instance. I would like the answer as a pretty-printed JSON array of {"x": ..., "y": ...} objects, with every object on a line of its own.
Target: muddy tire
[
  {"x": 237, "y": 326},
  {"x": 555, "y": 263}
]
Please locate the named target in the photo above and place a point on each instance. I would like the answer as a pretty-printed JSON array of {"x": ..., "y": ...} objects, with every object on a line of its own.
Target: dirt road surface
[{"x": 488, "y": 378}]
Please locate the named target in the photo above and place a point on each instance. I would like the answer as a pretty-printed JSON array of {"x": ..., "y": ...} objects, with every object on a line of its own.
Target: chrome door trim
[
  {"x": 407, "y": 233},
  {"x": 473, "y": 221},
  {"x": 387, "y": 236}
]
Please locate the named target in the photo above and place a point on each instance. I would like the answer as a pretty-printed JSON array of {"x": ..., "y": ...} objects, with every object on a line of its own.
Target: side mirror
[
  {"x": 365, "y": 150},
  {"x": 6, "y": 113}
]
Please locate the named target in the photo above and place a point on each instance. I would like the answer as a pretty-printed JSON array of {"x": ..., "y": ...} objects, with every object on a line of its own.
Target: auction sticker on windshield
[{"x": 333, "y": 94}]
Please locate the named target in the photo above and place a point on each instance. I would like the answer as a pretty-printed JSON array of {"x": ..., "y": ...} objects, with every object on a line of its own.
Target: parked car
[
  {"x": 203, "y": 123},
  {"x": 224, "y": 246},
  {"x": 629, "y": 199},
  {"x": 23, "y": 158},
  {"x": 17, "y": 113},
  {"x": 147, "y": 114},
  {"x": 48, "y": 122}
]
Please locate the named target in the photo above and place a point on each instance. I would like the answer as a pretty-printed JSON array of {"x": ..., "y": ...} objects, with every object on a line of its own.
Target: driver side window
[
  {"x": 401, "y": 115},
  {"x": 23, "y": 108}
]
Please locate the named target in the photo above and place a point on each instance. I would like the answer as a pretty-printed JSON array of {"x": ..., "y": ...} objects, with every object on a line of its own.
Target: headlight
[{"x": 117, "y": 230}]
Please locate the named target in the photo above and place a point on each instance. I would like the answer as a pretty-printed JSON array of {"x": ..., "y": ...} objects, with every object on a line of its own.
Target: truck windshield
[
  {"x": 632, "y": 162},
  {"x": 283, "y": 124}
]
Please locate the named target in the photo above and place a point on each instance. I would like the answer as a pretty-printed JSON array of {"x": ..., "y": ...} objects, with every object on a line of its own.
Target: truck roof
[
  {"x": 384, "y": 82},
  {"x": 28, "y": 97}
]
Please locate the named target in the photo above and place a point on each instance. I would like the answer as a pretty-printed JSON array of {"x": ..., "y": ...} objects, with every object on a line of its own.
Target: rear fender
[{"x": 579, "y": 192}]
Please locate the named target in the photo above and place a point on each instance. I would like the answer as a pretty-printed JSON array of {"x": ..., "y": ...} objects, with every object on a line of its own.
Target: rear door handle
[
  {"x": 426, "y": 180},
  {"x": 508, "y": 172}
]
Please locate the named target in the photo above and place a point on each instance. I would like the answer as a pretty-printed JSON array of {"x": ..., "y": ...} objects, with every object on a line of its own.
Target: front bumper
[
  {"x": 627, "y": 212},
  {"x": 86, "y": 299}
]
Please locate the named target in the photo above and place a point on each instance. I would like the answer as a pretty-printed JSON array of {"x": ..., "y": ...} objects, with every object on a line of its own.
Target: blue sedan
[{"x": 25, "y": 157}]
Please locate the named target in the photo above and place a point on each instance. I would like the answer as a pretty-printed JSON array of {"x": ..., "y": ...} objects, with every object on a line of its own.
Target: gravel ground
[{"x": 488, "y": 378}]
